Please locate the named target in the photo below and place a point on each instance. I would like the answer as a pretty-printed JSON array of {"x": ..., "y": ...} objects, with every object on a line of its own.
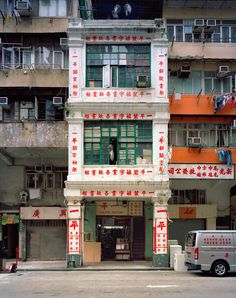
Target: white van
[{"x": 211, "y": 251}]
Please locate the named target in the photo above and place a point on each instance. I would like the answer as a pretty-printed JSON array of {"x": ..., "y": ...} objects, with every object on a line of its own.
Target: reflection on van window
[{"x": 190, "y": 240}]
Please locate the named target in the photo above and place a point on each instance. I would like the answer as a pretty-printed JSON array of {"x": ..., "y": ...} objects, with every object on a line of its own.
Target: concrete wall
[
  {"x": 34, "y": 78},
  {"x": 34, "y": 134}
]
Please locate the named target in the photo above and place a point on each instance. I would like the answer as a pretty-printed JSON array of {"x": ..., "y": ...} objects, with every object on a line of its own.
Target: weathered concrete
[{"x": 34, "y": 134}]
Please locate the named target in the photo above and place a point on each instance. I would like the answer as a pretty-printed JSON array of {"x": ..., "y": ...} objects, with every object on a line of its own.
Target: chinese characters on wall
[
  {"x": 201, "y": 171},
  {"x": 160, "y": 231},
  {"x": 74, "y": 72},
  {"x": 162, "y": 72},
  {"x": 73, "y": 149}
]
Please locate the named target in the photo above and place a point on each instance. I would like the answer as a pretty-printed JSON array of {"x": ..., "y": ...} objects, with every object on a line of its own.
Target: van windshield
[{"x": 190, "y": 239}]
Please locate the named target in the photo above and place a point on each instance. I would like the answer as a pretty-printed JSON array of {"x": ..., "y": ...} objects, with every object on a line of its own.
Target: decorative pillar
[
  {"x": 160, "y": 230},
  {"x": 74, "y": 233}
]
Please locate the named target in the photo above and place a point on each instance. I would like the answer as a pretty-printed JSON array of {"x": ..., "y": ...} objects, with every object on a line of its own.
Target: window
[
  {"x": 11, "y": 57},
  {"x": 182, "y": 30},
  {"x": 188, "y": 196},
  {"x": 52, "y": 8},
  {"x": 212, "y": 135},
  {"x": 117, "y": 65},
  {"x": 26, "y": 59},
  {"x": 34, "y": 180},
  {"x": 117, "y": 142},
  {"x": 190, "y": 85},
  {"x": 212, "y": 83}
]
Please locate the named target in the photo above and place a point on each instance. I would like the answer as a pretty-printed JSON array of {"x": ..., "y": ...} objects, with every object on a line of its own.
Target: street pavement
[{"x": 115, "y": 284}]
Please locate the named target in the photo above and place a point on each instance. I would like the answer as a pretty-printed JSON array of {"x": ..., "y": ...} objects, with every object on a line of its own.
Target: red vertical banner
[
  {"x": 74, "y": 246},
  {"x": 160, "y": 231},
  {"x": 74, "y": 72}
]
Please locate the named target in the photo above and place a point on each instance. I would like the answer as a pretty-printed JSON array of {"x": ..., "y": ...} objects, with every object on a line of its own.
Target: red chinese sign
[
  {"x": 162, "y": 152},
  {"x": 117, "y": 193},
  {"x": 73, "y": 236},
  {"x": 126, "y": 95},
  {"x": 160, "y": 231},
  {"x": 117, "y": 116},
  {"x": 43, "y": 213},
  {"x": 117, "y": 38},
  {"x": 74, "y": 72},
  {"x": 201, "y": 171},
  {"x": 119, "y": 172},
  {"x": 162, "y": 72},
  {"x": 73, "y": 150}
]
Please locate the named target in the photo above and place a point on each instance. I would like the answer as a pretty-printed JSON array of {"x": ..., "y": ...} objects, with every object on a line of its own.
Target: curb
[{"x": 95, "y": 269}]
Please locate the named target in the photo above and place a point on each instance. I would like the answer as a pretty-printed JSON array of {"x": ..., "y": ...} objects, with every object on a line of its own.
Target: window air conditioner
[
  {"x": 57, "y": 100},
  {"x": 48, "y": 168},
  {"x": 38, "y": 168},
  {"x": 198, "y": 25},
  {"x": 142, "y": 81},
  {"x": 223, "y": 71},
  {"x": 199, "y": 22},
  {"x": 211, "y": 23},
  {"x": 23, "y": 5},
  {"x": 3, "y": 100},
  {"x": 184, "y": 71},
  {"x": 194, "y": 142}
]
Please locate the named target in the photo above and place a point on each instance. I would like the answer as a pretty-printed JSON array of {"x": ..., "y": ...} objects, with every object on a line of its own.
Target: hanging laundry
[
  {"x": 221, "y": 101},
  {"x": 225, "y": 156}
]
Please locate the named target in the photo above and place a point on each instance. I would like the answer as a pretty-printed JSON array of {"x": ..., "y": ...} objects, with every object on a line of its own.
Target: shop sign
[
  {"x": 43, "y": 213},
  {"x": 101, "y": 172},
  {"x": 162, "y": 72},
  {"x": 162, "y": 152},
  {"x": 73, "y": 150},
  {"x": 117, "y": 193},
  {"x": 201, "y": 171},
  {"x": 73, "y": 236},
  {"x": 187, "y": 212},
  {"x": 117, "y": 38},
  {"x": 119, "y": 208},
  {"x": 8, "y": 219},
  {"x": 135, "y": 208},
  {"x": 117, "y": 116},
  {"x": 74, "y": 72},
  {"x": 122, "y": 95}
]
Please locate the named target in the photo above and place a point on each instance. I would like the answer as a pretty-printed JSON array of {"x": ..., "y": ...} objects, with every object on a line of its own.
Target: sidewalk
[{"x": 103, "y": 266}]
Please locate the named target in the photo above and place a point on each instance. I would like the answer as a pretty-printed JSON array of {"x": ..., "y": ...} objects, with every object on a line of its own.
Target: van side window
[{"x": 190, "y": 240}]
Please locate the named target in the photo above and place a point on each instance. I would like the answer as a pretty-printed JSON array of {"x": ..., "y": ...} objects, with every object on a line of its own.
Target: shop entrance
[
  {"x": 10, "y": 238},
  {"x": 122, "y": 238}
]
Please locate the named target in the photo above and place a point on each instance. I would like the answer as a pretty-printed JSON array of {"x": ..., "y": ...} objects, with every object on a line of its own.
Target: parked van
[{"x": 211, "y": 251}]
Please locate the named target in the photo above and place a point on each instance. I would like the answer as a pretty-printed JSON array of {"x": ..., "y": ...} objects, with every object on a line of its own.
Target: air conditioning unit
[
  {"x": 198, "y": 25},
  {"x": 142, "y": 81},
  {"x": 184, "y": 71},
  {"x": 48, "y": 168},
  {"x": 223, "y": 71},
  {"x": 57, "y": 100},
  {"x": 199, "y": 22},
  {"x": 211, "y": 22},
  {"x": 38, "y": 168},
  {"x": 64, "y": 43},
  {"x": 3, "y": 100},
  {"x": 23, "y": 7},
  {"x": 194, "y": 142}
]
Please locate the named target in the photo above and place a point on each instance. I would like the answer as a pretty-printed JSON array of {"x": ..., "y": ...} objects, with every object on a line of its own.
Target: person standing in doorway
[{"x": 111, "y": 155}]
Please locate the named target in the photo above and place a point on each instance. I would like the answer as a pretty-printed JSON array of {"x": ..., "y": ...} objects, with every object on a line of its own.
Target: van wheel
[{"x": 220, "y": 268}]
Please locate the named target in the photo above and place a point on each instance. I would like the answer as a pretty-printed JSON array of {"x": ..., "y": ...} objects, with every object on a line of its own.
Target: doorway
[
  {"x": 10, "y": 239},
  {"x": 110, "y": 232}
]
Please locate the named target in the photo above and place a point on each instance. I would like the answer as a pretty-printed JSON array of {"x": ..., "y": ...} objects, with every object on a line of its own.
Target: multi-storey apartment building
[
  {"x": 201, "y": 83},
  {"x": 33, "y": 132},
  {"x": 146, "y": 146}
]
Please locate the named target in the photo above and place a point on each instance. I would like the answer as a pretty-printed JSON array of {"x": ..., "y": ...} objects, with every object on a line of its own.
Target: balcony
[
  {"x": 34, "y": 77},
  {"x": 195, "y": 51}
]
